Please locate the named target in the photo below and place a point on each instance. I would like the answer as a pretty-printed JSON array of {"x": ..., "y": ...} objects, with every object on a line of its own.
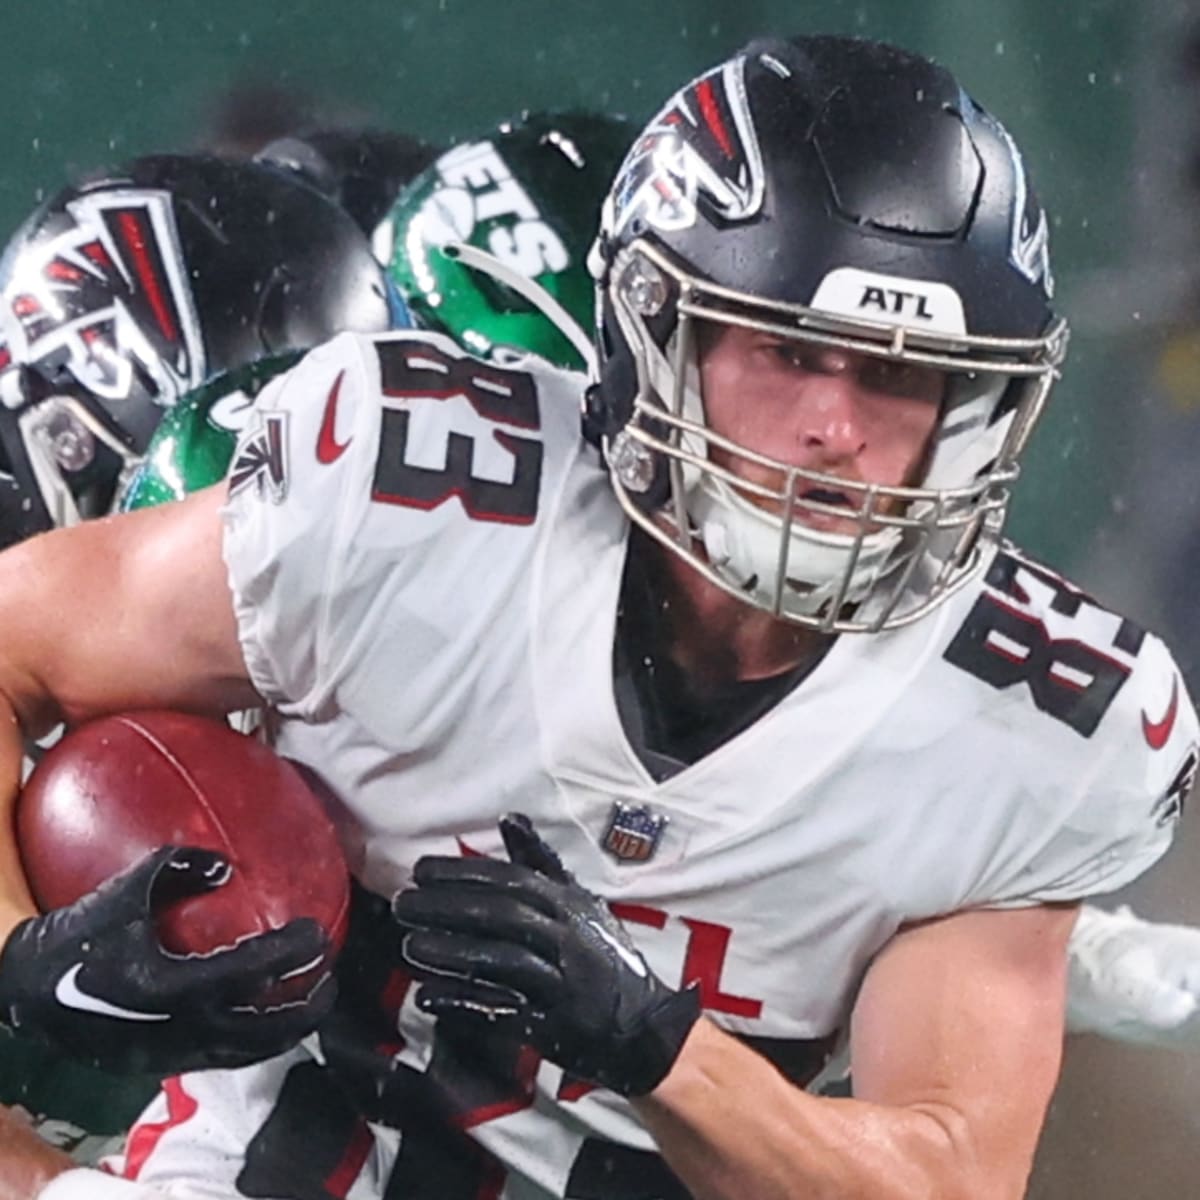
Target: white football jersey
[{"x": 426, "y": 563}]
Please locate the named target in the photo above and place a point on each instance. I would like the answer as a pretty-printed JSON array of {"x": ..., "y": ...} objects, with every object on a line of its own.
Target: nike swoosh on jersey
[
  {"x": 329, "y": 449},
  {"x": 1157, "y": 733},
  {"x": 70, "y": 995}
]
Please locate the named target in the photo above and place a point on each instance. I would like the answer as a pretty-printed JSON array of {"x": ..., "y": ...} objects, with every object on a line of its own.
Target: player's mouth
[
  {"x": 813, "y": 507},
  {"x": 826, "y": 508}
]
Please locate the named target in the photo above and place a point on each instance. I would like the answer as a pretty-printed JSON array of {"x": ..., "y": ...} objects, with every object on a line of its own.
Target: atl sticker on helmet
[{"x": 918, "y": 303}]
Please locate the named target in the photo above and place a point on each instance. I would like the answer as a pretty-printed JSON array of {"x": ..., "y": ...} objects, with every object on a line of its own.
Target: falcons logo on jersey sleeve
[
  {"x": 108, "y": 290},
  {"x": 260, "y": 460}
]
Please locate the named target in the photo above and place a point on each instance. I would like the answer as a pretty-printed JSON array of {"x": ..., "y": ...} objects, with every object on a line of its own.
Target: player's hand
[
  {"x": 1134, "y": 980},
  {"x": 358, "y": 1040},
  {"x": 521, "y": 942},
  {"x": 93, "y": 978}
]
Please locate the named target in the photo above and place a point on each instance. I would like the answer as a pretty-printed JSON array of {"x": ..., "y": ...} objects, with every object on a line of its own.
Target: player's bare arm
[
  {"x": 117, "y": 614},
  {"x": 955, "y": 1037},
  {"x": 956, "y": 1040},
  {"x": 93, "y": 976}
]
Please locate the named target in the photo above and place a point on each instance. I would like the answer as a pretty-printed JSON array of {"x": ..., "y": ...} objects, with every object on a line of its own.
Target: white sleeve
[
  {"x": 85, "y": 1184},
  {"x": 1129, "y": 795},
  {"x": 195, "y": 1144},
  {"x": 350, "y": 522},
  {"x": 305, "y": 456}
]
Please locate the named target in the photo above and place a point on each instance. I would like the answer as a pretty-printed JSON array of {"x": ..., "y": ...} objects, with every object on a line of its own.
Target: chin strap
[{"x": 530, "y": 290}]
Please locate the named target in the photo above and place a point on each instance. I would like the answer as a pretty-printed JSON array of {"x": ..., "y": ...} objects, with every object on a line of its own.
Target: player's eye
[
  {"x": 902, "y": 379},
  {"x": 793, "y": 354}
]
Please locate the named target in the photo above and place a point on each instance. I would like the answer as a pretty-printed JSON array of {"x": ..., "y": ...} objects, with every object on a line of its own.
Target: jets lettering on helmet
[{"x": 479, "y": 188}]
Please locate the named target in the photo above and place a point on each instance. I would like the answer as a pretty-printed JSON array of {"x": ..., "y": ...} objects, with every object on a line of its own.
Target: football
[{"x": 115, "y": 789}]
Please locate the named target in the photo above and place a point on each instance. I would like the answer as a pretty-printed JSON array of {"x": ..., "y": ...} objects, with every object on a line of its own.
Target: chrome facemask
[
  {"x": 913, "y": 546},
  {"x": 59, "y": 434}
]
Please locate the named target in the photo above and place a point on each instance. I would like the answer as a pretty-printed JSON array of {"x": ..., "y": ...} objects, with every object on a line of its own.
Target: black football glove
[
  {"x": 522, "y": 943},
  {"x": 360, "y": 1036},
  {"x": 93, "y": 978}
]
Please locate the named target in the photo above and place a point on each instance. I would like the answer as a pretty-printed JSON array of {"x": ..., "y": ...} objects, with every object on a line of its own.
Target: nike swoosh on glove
[
  {"x": 93, "y": 978},
  {"x": 522, "y": 943},
  {"x": 1133, "y": 980}
]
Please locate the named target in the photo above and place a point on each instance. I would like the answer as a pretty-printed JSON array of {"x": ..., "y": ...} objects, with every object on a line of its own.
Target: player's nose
[{"x": 830, "y": 421}]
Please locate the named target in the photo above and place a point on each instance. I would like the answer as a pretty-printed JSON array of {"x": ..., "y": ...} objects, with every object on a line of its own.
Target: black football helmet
[
  {"x": 849, "y": 194},
  {"x": 119, "y": 296},
  {"x": 362, "y": 170}
]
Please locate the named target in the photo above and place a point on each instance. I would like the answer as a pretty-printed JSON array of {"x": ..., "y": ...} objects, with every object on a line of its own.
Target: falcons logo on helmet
[
  {"x": 109, "y": 291},
  {"x": 702, "y": 145}
]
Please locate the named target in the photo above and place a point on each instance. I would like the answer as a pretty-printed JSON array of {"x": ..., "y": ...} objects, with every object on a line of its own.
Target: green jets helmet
[
  {"x": 194, "y": 442},
  {"x": 489, "y": 245},
  {"x": 491, "y": 216}
]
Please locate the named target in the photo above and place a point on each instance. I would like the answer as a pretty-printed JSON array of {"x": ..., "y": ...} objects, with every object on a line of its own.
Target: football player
[
  {"x": 122, "y": 295},
  {"x": 528, "y": 191},
  {"x": 549, "y": 169},
  {"x": 800, "y": 746}
]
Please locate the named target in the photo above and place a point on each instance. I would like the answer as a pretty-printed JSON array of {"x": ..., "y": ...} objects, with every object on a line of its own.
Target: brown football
[{"x": 115, "y": 789}]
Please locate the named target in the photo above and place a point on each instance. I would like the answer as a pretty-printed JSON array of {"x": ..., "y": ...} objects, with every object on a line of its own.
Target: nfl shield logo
[{"x": 633, "y": 833}]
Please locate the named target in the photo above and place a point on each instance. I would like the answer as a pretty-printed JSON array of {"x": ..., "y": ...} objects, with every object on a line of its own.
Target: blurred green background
[
  {"x": 90, "y": 81},
  {"x": 1096, "y": 92}
]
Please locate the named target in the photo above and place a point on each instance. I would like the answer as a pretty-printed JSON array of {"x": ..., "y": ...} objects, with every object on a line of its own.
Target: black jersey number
[
  {"x": 1073, "y": 679},
  {"x": 497, "y": 397}
]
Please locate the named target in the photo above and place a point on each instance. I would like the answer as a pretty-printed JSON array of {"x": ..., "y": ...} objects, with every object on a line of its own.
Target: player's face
[{"x": 860, "y": 418}]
